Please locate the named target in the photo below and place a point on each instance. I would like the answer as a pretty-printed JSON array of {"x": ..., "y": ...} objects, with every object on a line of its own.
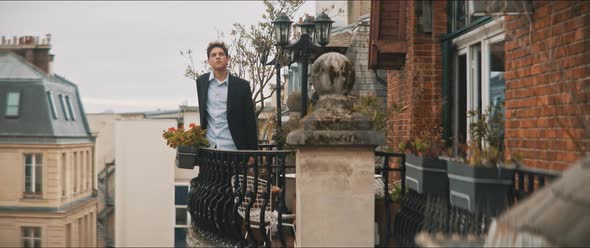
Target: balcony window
[
  {"x": 63, "y": 107},
  {"x": 31, "y": 236},
  {"x": 12, "y": 104},
  {"x": 33, "y": 174},
  {"x": 52, "y": 105},
  {"x": 478, "y": 75}
]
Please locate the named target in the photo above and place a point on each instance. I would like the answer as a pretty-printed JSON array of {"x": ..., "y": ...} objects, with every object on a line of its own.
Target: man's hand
[{"x": 250, "y": 161}]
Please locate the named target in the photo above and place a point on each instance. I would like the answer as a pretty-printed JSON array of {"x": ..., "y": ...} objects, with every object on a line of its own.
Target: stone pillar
[{"x": 335, "y": 163}]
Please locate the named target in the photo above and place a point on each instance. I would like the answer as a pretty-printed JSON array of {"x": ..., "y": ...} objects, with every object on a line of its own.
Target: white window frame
[
  {"x": 19, "y": 100},
  {"x": 32, "y": 238},
  {"x": 52, "y": 105},
  {"x": 33, "y": 173},
  {"x": 70, "y": 108},
  {"x": 487, "y": 34}
]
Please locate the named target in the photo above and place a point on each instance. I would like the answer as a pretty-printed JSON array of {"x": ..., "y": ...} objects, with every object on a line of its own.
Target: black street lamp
[{"x": 305, "y": 46}]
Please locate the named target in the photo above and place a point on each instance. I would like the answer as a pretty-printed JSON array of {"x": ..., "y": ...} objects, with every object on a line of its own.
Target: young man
[{"x": 225, "y": 104}]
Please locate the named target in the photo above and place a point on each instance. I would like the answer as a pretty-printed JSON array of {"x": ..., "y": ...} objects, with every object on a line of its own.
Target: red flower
[
  {"x": 192, "y": 125},
  {"x": 171, "y": 129}
]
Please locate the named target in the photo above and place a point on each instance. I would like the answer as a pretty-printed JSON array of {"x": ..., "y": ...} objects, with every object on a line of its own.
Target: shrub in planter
[
  {"x": 395, "y": 194},
  {"x": 425, "y": 172},
  {"x": 187, "y": 143},
  {"x": 482, "y": 180}
]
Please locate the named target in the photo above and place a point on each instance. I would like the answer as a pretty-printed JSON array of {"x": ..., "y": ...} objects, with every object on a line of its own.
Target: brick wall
[
  {"x": 548, "y": 84},
  {"x": 418, "y": 83}
]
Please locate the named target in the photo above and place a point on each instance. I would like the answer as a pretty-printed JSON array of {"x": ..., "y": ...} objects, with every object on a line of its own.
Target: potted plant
[
  {"x": 425, "y": 171},
  {"x": 481, "y": 180},
  {"x": 187, "y": 143}
]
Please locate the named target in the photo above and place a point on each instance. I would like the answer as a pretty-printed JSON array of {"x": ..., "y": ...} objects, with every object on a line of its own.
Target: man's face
[{"x": 218, "y": 59}]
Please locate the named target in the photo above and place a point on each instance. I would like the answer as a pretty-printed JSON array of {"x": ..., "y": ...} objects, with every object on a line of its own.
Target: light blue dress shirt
[{"x": 217, "y": 127}]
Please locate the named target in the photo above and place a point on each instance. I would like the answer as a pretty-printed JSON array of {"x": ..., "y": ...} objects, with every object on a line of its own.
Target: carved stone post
[{"x": 335, "y": 163}]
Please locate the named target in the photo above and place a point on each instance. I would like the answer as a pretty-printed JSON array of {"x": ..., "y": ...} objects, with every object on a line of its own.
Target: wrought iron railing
[
  {"x": 385, "y": 170},
  {"x": 433, "y": 213},
  {"x": 238, "y": 190}
]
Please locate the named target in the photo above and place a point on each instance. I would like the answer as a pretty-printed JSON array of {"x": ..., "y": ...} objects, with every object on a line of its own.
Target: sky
[{"x": 125, "y": 56}]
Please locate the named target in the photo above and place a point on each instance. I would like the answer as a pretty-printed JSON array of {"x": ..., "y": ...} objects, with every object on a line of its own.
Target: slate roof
[{"x": 35, "y": 123}]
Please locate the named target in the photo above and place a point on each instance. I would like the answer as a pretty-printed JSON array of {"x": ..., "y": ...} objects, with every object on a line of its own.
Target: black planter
[
  {"x": 479, "y": 188},
  {"x": 186, "y": 157},
  {"x": 426, "y": 175}
]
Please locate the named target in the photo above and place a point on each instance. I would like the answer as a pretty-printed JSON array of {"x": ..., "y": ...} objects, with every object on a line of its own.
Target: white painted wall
[{"x": 144, "y": 184}]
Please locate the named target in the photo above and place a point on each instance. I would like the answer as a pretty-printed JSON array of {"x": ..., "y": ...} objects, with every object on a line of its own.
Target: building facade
[
  {"x": 47, "y": 193},
  {"x": 445, "y": 58}
]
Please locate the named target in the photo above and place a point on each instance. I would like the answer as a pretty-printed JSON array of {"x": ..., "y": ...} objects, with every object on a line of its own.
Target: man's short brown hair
[{"x": 215, "y": 44}]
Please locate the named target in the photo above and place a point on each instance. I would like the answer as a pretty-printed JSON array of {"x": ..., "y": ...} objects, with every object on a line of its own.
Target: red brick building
[{"x": 445, "y": 58}]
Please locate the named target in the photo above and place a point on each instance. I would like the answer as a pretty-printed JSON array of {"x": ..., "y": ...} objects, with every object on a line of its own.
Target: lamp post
[{"x": 301, "y": 49}]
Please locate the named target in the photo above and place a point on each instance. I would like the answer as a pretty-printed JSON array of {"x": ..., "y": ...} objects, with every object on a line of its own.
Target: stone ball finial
[{"x": 332, "y": 73}]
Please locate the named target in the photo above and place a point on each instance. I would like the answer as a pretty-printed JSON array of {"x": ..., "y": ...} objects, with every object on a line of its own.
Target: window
[
  {"x": 478, "y": 75},
  {"x": 33, "y": 174},
  {"x": 462, "y": 14},
  {"x": 63, "y": 107},
  {"x": 75, "y": 174},
  {"x": 182, "y": 221},
  {"x": 12, "y": 104},
  {"x": 31, "y": 236},
  {"x": 52, "y": 105},
  {"x": 70, "y": 108}
]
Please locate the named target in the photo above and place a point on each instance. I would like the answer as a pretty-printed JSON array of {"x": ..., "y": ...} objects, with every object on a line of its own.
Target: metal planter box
[
  {"x": 186, "y": 157},
  {"x": 479, "y": 188},
  {"x": 425, "y": 175}
]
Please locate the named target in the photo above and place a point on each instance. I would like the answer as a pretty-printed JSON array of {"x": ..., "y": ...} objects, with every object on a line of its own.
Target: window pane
[
  {"x": 70, "y": 108},
  {"x": 37, "y": 243},
  {"x": 12, "y": 103},
  {"x": 181, "y": 216},
  {"x": 28, "y": 173},
  {"x": 38, "y": 178},
  {"x": 11, "y": 110},
  {"x": 27, "y": 243},
  {"x": 13, "y": 98},
  {"x": 497, "y": 82},
  {"x": 180, "y": 195},
  {"x": 63, "y": 107},
  {"x": 180, "y": 237},
  {"x": 52, "y": 105},
  {"x": 37, "y": 232},
  {"x": 461, "y": 135}
]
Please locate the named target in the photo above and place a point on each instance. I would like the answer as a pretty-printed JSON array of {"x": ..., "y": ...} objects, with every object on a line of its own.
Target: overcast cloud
[{"x": 124, "y": 56}]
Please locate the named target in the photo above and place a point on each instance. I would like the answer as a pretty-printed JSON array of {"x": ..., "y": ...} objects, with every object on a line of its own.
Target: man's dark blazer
[{"x": 240, "y": 111}]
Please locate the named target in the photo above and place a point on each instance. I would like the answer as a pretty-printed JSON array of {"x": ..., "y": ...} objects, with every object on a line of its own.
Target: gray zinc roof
[{"x": 35, "y": 123}]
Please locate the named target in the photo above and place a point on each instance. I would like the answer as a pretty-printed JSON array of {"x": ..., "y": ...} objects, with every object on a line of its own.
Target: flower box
[
  {"x": 187, "y": 157},
  {"x": 477, "y": 188},
  {"x": 426, "y": 175}
]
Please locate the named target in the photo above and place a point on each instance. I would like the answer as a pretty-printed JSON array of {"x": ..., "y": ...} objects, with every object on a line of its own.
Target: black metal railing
[
  {"x": 236, "y": 191},
  {"x": 385, "y": 170},
  {"x": 433, "y": 213}
]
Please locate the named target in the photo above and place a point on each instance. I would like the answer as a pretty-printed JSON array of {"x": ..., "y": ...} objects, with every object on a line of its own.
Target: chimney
[{"x": 32, "y": 49}]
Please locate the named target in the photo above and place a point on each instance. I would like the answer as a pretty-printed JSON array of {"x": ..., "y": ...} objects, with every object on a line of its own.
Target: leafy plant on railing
[
  {"x": 395, "y": 193},
  {"x": 194, "y": 136}
]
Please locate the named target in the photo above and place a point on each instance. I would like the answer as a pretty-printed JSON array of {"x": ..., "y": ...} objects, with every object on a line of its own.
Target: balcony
[{"x": 234, "y": 203}]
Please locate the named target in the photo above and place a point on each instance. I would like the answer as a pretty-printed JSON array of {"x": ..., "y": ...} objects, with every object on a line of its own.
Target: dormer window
[
  {"x": 12, "y": 104},
  {"x": 70, "y": 108},
  {"x": 52, "y": 105},
  {"x": 63, "y": 107}
]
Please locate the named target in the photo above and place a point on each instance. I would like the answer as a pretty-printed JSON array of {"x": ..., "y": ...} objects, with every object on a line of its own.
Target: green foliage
[
  {"x": 487, "y": 136},
  {"x": 195, "y": 136},
  {"x": 428, "y": 143}
]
